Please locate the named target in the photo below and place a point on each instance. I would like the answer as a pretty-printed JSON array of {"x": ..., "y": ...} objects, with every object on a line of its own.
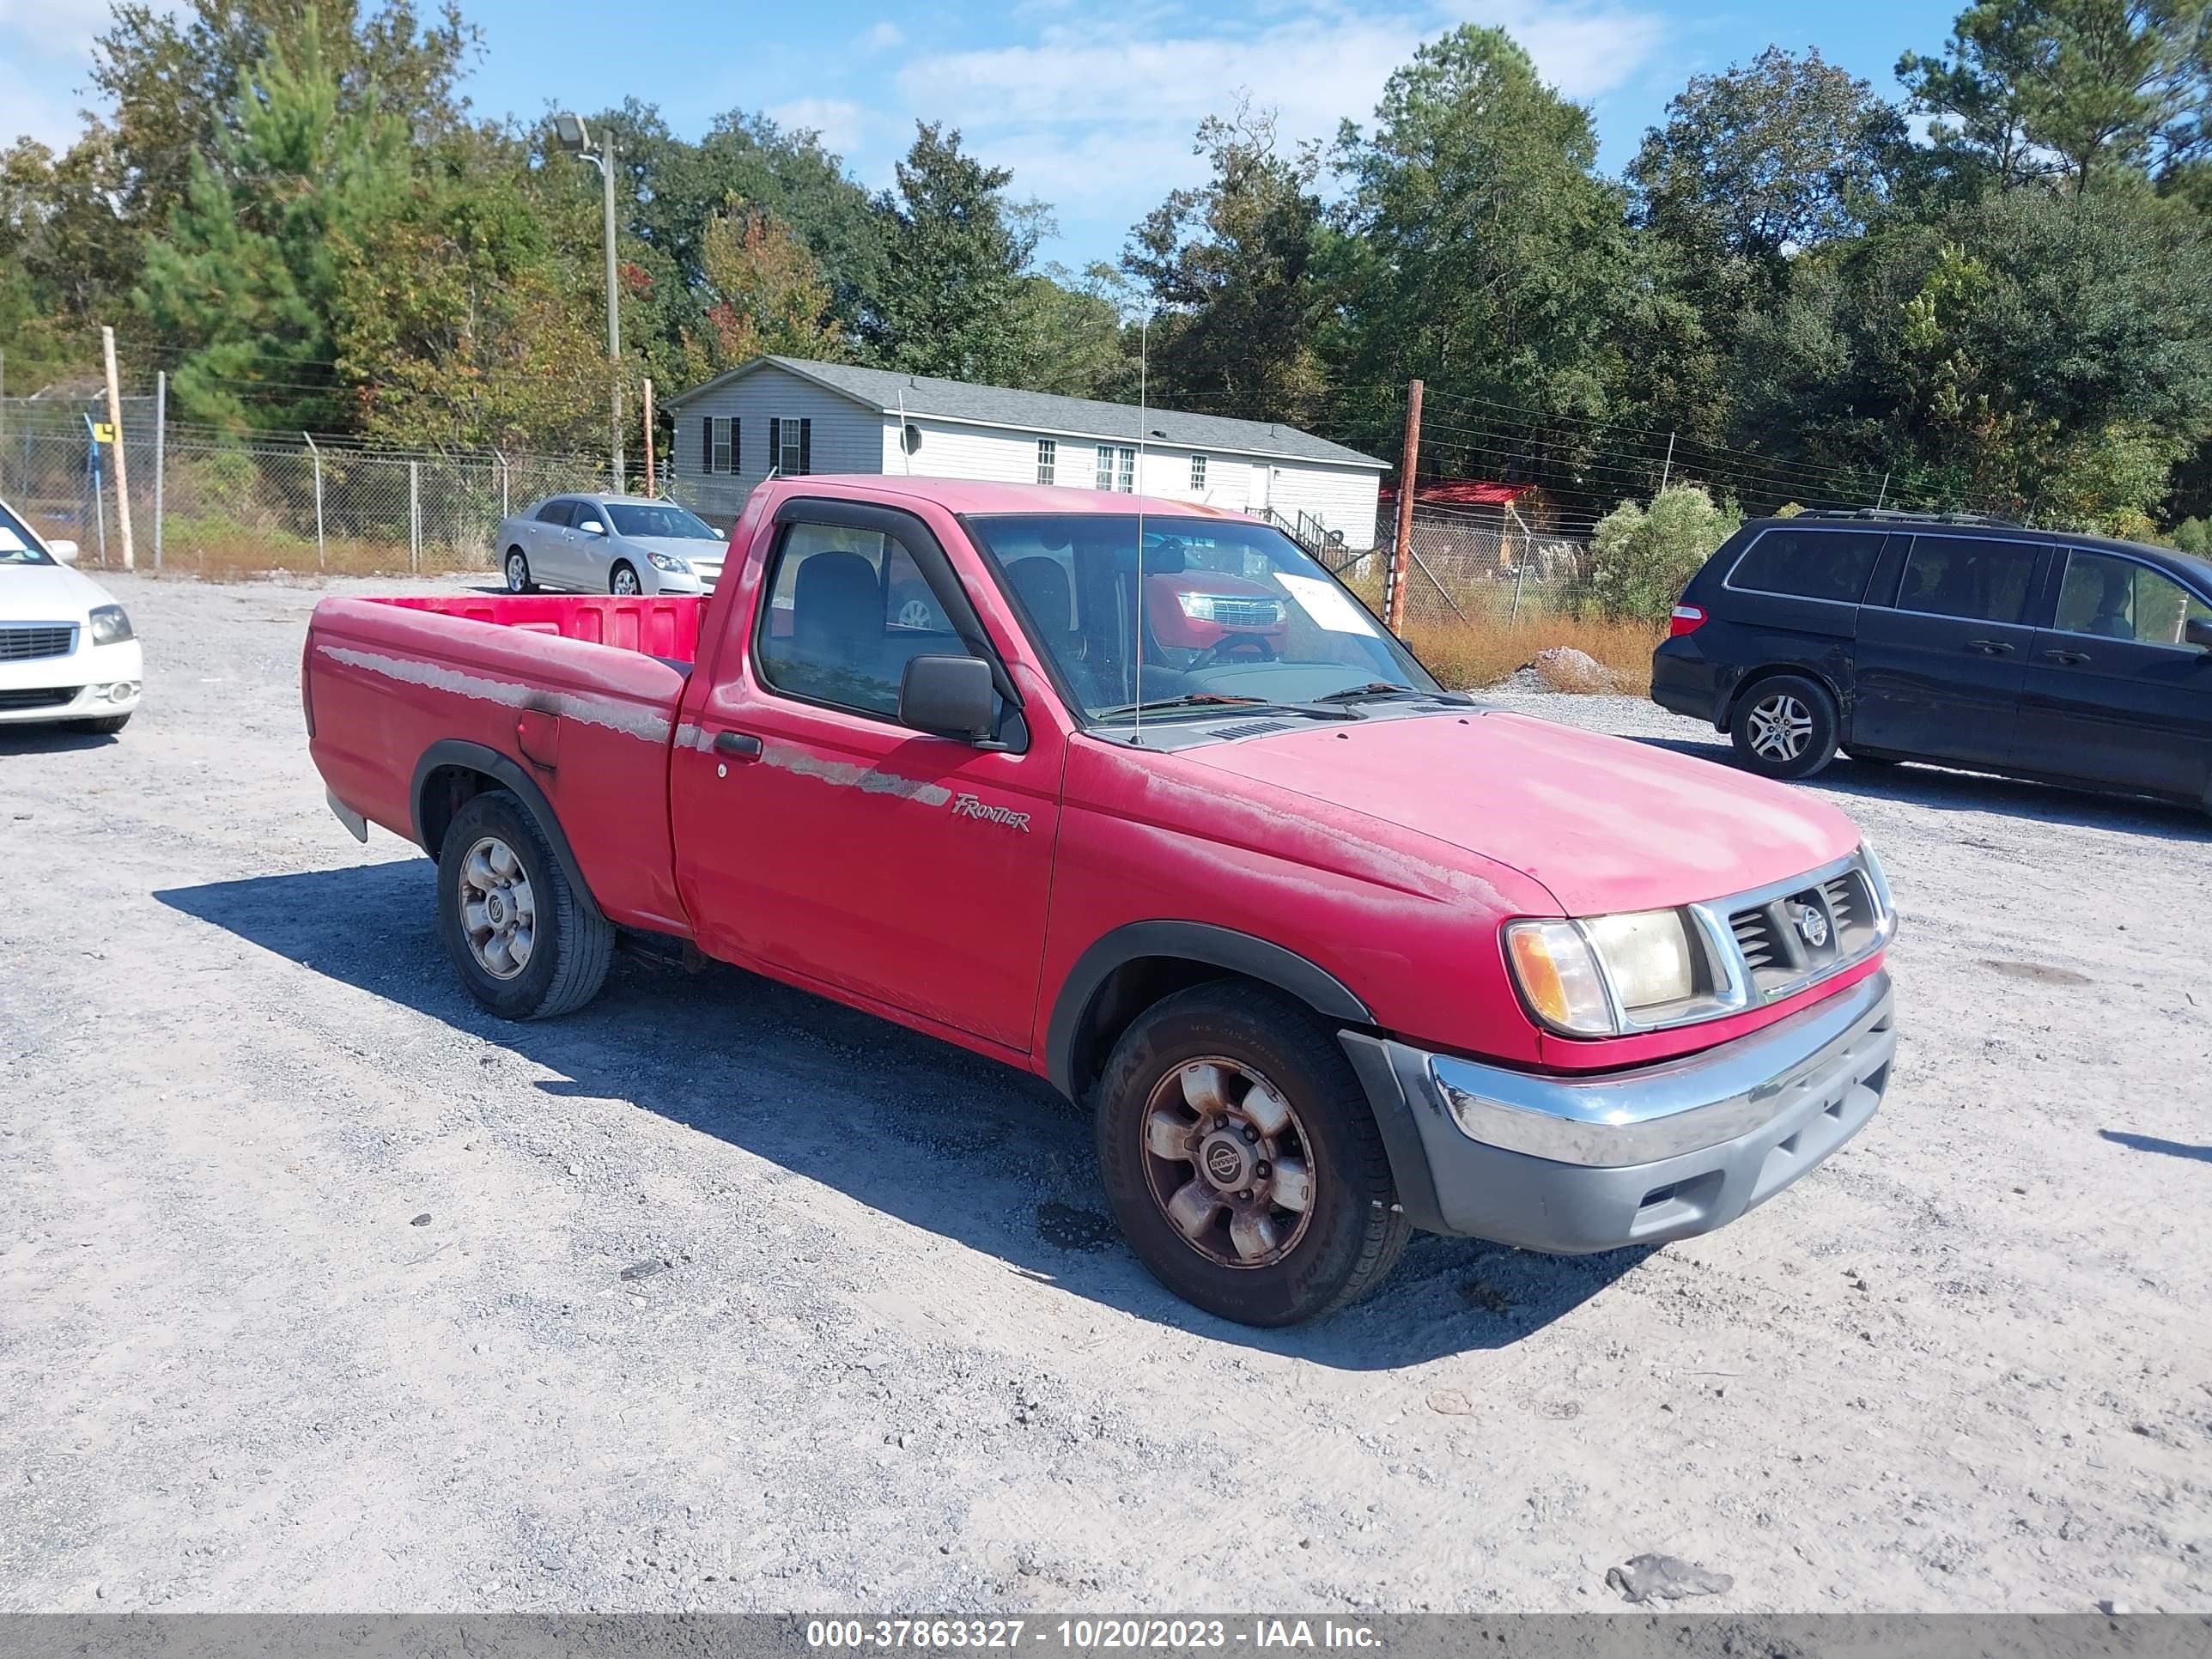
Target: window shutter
[
  {"x": 706, "y": 446},
  {"x": 736, "y": 456},
  {"x": 806, "y": 445},
  {"x": 774, "y": 443}
]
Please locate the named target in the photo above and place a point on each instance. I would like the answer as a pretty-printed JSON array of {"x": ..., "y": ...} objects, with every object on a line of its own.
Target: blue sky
[{"x": 1092, "y": 105}]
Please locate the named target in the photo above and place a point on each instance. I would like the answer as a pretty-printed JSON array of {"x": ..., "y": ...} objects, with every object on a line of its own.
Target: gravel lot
[{"x": 319, "y": 1290}]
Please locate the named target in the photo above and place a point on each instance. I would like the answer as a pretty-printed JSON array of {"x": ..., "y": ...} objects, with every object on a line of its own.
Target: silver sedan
[{"x": 609, "y": 544}]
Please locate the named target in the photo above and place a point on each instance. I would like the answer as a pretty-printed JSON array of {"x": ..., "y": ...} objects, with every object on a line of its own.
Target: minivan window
[
  {"x": 1975, "y": 577},
  {"x": 1809, "y": 564},
  {"x": 2114, "y": 599}
]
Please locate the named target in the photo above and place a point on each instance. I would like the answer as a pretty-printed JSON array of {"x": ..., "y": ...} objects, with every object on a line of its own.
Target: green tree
[
  {"x": 1076, "y": 342},
  {"x": 1481, "y": 250},
  {"x": 947, "y": 297},
  {"x": 766, "y": 294},
  {"x": 2027, "y": 89},
  {"x": 1641, "y": 557},
  {"x": 1230, "y": 267},
  {"x": 248, "y": 277}
]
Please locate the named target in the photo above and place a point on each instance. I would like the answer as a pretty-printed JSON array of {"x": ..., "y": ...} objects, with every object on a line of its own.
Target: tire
[
  {"x": 569, "y": 945},
  {"x": 614, "y": 580},
  {"x": 105, "y": 726},
  {"x": 1348, "y": 1235},
  {"x": 519, "y": 579},
  {"x": 1784, "y": 726}
]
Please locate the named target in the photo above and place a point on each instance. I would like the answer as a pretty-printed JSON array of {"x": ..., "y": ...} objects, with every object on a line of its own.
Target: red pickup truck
[{"x": 1143, "y": 800}]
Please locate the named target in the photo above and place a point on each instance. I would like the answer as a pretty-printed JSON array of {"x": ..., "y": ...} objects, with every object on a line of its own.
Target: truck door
[{"x": 819, "y": 837}]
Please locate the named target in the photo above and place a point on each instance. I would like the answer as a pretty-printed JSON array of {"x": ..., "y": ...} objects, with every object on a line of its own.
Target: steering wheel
[{"x": 1262, "y": 648}]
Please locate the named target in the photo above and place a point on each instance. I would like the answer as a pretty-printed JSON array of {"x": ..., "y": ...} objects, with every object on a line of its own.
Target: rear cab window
[{"x": 1809, "y": 564}]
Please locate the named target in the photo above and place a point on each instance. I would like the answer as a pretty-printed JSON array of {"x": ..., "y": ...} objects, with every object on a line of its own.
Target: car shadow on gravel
[
  {"x": 919, "y": 1129},
  {"x": 1917, "y": 785},
  {"x": 51, "y": 740}
]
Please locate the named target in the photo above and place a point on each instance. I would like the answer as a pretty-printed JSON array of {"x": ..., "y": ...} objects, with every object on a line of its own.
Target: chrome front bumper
[{"x": 1573, "y": 1165}]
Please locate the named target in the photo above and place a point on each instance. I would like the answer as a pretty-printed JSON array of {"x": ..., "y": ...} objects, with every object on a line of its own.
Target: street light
[{"x": 573, "y": 136}]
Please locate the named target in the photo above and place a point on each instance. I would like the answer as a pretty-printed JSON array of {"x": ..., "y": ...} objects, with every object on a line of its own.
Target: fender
[
  {"x": 1192, "y": 941},
  {"x": 476, "y": 757}
]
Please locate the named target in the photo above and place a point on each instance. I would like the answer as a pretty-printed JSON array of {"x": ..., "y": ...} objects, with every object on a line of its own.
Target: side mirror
[
  {"x": 2197, "y": 631},
  {"x": 592, "y": 528},
  {"x": 64, "y": 552},
  {"x": 948, "y": 696}
]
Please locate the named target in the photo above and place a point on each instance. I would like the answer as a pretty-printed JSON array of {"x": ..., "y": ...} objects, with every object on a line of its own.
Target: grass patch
[
  {"x": 243, "y": 556},
  {"x": 1482, "y": 649}
]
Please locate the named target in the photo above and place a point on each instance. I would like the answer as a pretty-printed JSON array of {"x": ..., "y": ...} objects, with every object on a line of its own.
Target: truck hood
[
  {"x": 46, "y": 593},
  {"x": 1602, "y": 823}
]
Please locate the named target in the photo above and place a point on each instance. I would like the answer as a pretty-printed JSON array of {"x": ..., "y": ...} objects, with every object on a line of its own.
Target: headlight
[
  {"x": 110, "y": 626},
  {"x": 669, "y": 562},
  {"x": 1584, "y": 977}
]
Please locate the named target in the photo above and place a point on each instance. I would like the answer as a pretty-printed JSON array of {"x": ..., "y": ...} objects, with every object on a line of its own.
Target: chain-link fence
[{"x": 207, "y": 503}]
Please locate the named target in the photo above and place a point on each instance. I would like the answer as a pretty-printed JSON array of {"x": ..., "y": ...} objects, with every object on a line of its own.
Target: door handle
[
  {"x": 742, "y": 744},
  {"x": 2069, "y": 658},
  {"x": 1989, "y": 648}
]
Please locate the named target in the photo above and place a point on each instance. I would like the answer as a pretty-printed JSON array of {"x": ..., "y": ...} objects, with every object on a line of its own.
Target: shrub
[{"x": 1641, "y": 559}]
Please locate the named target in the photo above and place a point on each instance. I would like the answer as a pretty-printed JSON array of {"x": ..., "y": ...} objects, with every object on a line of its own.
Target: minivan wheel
[
  {"x": 525, "y": 944},
  {"x": 1785, "y": 727},
  {"x": 1240, "y": 1157}
]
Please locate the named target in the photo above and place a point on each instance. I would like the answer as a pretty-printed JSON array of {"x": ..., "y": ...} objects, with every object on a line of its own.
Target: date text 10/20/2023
[{"x": 1088, "y": 1634}]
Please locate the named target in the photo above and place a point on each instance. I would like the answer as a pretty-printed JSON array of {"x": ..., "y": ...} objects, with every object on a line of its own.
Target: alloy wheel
[
  {"x": 518, "y": 572},
  {"x": 626, "y": 583},
  {"x": 1779, "y": 727},
  {"x": 1227, "y": 1162},
  {"x": 499, "y": 912}
]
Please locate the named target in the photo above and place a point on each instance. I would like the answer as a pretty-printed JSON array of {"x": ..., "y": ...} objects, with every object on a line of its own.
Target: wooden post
[
  {"x": 1394, "y": 578},
  {"x": 115, "y": 424},
  {"x": 161, "y": 454},
  {"x": 651, "y": 476}
]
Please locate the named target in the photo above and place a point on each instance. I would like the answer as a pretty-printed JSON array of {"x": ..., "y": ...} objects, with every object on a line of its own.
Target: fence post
[
  {"x": 122, "y": 469},
  {"x": 414, "y": 515},
  {"x": 316, "y": 456},
  {"x": 1394, "y": 575},
  {"x": 1520, "y": 570},
  {"x": 1668, "y": 470},
  {"x": 161, "y": 454},
  {"x": 505, "y": 511}
]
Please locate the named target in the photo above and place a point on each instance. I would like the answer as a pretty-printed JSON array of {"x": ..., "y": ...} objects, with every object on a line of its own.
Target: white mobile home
[{"x": 793, "y": 416}]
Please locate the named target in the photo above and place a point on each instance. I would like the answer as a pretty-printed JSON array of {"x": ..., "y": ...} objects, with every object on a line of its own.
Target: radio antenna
[{"x": 1137, "y": 617}]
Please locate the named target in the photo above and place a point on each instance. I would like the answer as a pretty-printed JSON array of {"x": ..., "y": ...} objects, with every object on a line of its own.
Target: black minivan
[{"x": 1964, "y": 642}]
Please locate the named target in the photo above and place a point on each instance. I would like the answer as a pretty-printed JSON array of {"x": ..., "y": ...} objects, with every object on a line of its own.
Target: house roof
[
  {"x": 1465, "y": 492},
  {"x": 885, "y": 392}
]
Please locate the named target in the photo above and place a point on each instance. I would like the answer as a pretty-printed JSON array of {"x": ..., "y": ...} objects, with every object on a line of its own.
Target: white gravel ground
[{"x": 320, "y": 1290}]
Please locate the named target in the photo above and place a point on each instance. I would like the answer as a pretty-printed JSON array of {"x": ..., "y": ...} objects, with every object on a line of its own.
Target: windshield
[
  {"x": 1231, "y": 613},
  {"x": 17, "y": 545},
  {"x": 660, "y": 519}
]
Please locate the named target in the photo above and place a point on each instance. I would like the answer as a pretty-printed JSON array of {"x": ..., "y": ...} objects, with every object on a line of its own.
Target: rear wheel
[
  {"x": 1241, "y": 1159},
  {"x": 623, "y": 582},
  {"x": 525, "y": 944},
  {"x": 519, "y": 580},
  {"x": 1785, "y": 727}
]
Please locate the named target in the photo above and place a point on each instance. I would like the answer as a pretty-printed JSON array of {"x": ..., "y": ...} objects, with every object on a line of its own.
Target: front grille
[
  {"x": 1246, "y": 613},
  {"x": 23, "y": 644},
  {"x": 1787, "y": 941},
  {"x": 51, "y": 696},
  {"x": 1754, "y": 937}
]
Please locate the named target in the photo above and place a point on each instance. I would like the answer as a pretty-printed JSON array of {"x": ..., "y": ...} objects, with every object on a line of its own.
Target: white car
[
  {"x": 609, "y": 544},
  {"x": 66, "y": 649}
]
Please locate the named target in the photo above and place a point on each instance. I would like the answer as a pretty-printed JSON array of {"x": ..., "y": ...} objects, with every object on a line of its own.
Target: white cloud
[
  {"x": 882, "y": 38},
  {"x": 842, "y": 124},
  {"x": 1098, "y": 120}
]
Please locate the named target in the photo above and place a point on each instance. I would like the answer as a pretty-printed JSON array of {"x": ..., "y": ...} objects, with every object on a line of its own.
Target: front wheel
[
  {"x": 1241, "y": 1159},
  {"x": 526, "y": 945},
  {"x": 624, "y": 584},
  {"x": 1785, "y": 727}
]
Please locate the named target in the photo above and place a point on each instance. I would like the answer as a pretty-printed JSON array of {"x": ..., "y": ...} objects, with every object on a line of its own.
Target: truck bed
[
  {"x": 580, "y": 697},
  {"x": 664, "y": 627}
]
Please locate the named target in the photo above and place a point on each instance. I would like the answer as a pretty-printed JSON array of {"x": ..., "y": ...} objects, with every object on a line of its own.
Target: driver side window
[{"x": 2111, "y": 599}]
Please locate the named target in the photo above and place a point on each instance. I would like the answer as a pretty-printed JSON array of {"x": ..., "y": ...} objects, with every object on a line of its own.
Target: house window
[
  {"x": 719, "y": 457},
  {"x": 1198, "y": 473},
  {"x": 791, "y": 447},
  {"x": 1047, "y": 460},
  {"x": 1128, "y": 471},
  {"x": 1105, "y": 466}
]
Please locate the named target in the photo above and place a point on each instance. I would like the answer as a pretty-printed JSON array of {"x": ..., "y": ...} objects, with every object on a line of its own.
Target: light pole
[{"x": 568, "y": 130}]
